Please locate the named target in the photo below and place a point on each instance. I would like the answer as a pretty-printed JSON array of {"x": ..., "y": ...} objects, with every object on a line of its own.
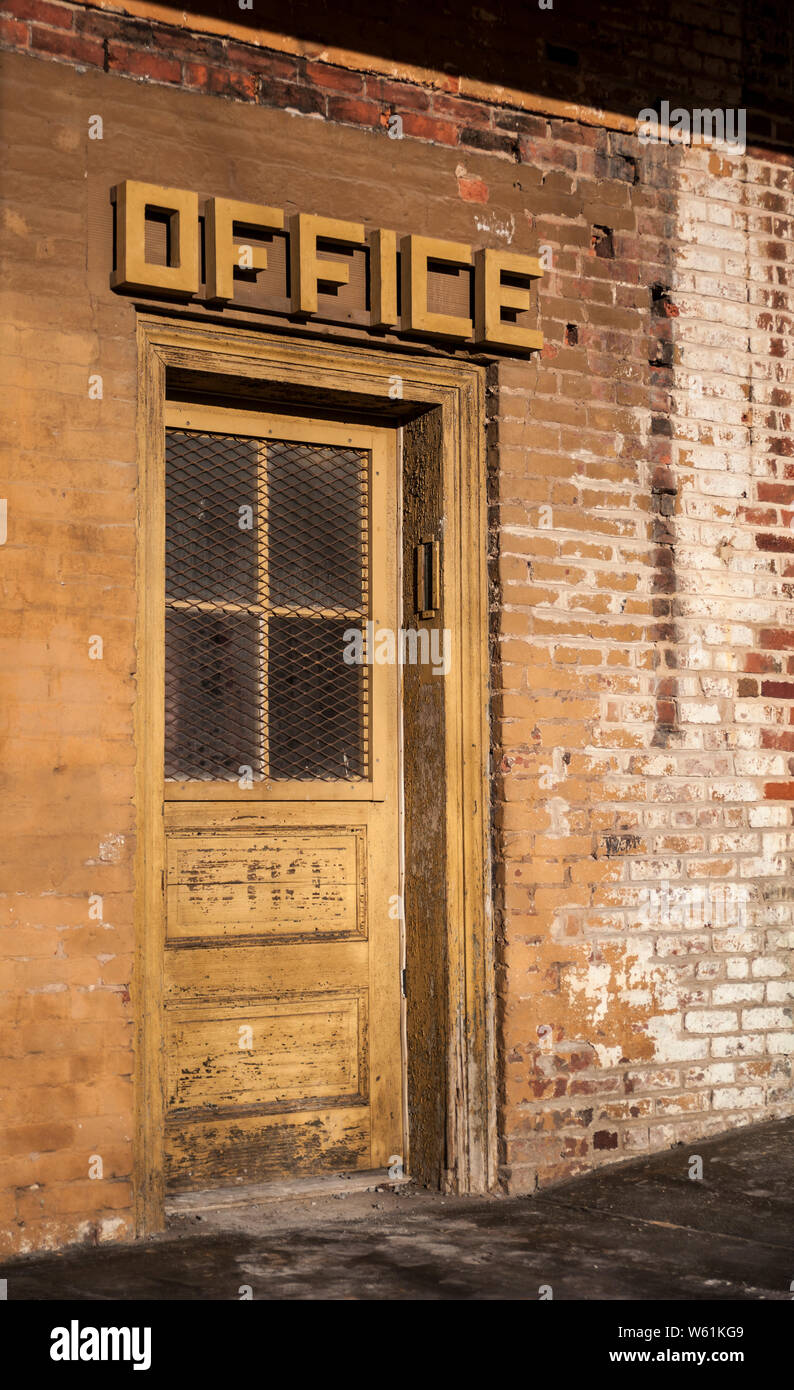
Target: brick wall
[
  {"x": 641, "y": 479},
  {"x": 644, "y": 809}
]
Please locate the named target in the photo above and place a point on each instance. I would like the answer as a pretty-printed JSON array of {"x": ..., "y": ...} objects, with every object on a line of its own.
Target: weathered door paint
[{"x": 282, "y": 882}]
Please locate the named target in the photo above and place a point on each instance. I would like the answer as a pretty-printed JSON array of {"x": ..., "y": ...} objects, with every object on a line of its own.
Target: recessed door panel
[
  {"x": 286, "y": 1054},
  {"x": 309, "y": 884}
]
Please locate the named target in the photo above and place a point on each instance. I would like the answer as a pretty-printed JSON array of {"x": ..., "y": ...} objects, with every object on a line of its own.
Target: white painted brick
[
  {"x": 766, "y": 1018},
  {"x": 766, "y": 968},
  {"x": 751, "y": 712},
  {"x": 712, "y": 1021},
  {"x": 745, "y": 1045},
  {"x": 699, "y": 713},
  {"x": 773, "y": 867},
  {"x": 715, "y": 1074},
  {"x": 680, "y": 1050},
  {"x": 780, "y": 991},
  {"x": 737, "y": 994},
  {"x": 663, "y": 1137},
  {"x": 738, "y": 1098},
  {"x": 736, "y": 941},
  {"x": 709, "y": 969},
  {"x": 635, "y": 1139}
]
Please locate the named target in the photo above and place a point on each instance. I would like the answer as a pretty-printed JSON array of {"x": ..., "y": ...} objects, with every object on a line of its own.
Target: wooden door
[{"x": 282, "y": 960}]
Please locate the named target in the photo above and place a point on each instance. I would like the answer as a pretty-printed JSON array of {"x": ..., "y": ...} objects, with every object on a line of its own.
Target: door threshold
[{"x": 259, "y": 1194}]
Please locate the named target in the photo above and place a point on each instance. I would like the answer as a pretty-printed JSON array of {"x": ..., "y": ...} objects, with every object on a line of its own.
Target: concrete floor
[{"x": 642, "y": 1230}]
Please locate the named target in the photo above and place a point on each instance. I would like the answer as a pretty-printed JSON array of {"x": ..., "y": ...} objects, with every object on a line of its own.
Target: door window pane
[
  {"x": 315, "y": 701},
  {"x": 211, "y": 516},
  {"x": 212, "y": 727},
  {"x": 266, "y": 570},
  {"x": 315, "y": 525}
]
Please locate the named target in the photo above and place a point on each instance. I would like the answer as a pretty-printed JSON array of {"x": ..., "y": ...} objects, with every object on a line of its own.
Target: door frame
[{"x": 335, "y": 376}]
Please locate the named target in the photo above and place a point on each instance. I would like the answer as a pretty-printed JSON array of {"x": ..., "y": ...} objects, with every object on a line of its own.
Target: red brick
[
  {"x": 354, "y": 112},
  {"x": 338, "y": 79},
  {"x": 776, "y": 492},
  {"x": 55, "y": 16},
  {"x": 143, "y": 64},
  {"x": 778, "y": 690},
  {"x": 233, "y": 84},
  {"x": 760, "y": 662},
  {"x": 219, "y": 82},
  {"x": 473, "y": 190},
  {"x": 775, "y": 543},
  {"x": 461, "y": 112},
  {"x": 782, "y": 739},
  {"x": 776, "y": 637},
  {"x": 13, "y": 32},
  {"x": 273, "y": 92},
  {"x": 263, "y": 60},
  {"x": 779, "y": 791},
  {"x": 604, "y": 1139},
  {"x": 62, "y": 45},
  {"x": 425, "y": 128},
  {"x": 400, "y": 96}
]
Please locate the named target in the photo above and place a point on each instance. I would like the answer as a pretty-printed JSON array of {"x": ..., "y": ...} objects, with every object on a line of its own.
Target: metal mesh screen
[{"x": 266, "y": 569}]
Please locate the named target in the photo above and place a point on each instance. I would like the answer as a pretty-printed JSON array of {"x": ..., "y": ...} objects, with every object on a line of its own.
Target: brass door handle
[{"x": 428, "y": 578}]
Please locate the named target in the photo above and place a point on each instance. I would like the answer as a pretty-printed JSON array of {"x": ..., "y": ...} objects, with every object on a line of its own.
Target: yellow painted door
[{"x": 282, "y": 961}]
